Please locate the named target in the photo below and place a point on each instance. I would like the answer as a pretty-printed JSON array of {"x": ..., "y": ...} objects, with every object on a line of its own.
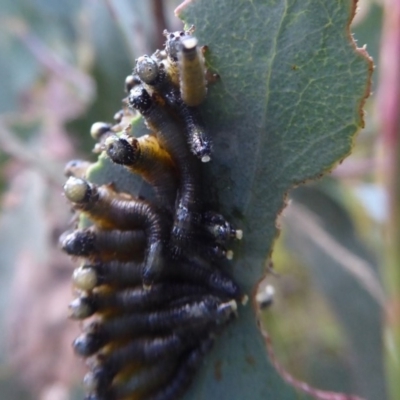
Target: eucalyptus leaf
[{"x": 285, "y": 109}]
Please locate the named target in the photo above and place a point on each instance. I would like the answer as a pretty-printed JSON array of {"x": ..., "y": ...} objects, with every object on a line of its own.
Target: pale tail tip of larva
[
  {"x": 229, "y": 255},
  {"x": 239, "y": 234}
]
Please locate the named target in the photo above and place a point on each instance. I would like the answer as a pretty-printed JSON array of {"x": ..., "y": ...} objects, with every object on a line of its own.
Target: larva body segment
[
  {"x": 185, "y": 373},
  {"x": 197, "y": 270},
  {"x": 192, "y": 72},
  {"x": 199, "y": 141},
  {"x": 148, "y": 71},
  {"x": 144, "y": 381}
]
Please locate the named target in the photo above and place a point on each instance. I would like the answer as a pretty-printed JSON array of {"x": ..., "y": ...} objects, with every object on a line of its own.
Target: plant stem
[{"x": 389, "y": 112}]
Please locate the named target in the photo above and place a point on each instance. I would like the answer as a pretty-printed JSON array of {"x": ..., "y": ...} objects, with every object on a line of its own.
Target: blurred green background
[{"x": 62, "y": 67}]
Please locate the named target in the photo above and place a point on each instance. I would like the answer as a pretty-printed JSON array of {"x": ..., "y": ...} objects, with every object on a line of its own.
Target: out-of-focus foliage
[
  {"x": 62, "y": 68},
  {"x": 336, "y": 273}
]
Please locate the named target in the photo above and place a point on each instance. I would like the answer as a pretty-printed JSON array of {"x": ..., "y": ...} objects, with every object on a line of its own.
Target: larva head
[
  {"x": 224, "y": 284},
  {"x": 147, "y": 69},
  {"x": 140, "y": 100},
  {"x": 220, "y": 228},
  {"x": 99, "y": 129},
  {"x": 153, "y": 265},
  {"x": 76, "y": 168},
  {"x": 81, "y": 308},
  {"x": 77, "y": 190},
  {"x": 87, "y": 344},
  {"x": 121, "y": 151},
  {"x": 130, "y": 82},
  {"x": 78, "y": 243},
  {"x": 85, "y": 278},
  {"x": 173, "y": 44}
]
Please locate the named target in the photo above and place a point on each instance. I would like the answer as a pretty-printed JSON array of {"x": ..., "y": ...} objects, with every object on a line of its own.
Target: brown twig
[
  {"x": 389, "y": 115},
  {"x": 160, "y": 22}
]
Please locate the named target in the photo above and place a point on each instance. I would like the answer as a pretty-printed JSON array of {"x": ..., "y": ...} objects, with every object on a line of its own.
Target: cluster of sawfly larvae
[{"x": 152, "y": 282}]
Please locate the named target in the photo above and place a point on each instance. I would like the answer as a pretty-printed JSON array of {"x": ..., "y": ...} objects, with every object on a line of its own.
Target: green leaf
[{"x": 285, "y": 109}]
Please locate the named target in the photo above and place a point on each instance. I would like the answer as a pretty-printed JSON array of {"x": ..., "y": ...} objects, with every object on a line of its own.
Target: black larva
[
  {"x": 133, "y": 299},
  {"x": 192, "y": 316},
  {"x": 109, "y": 210},
  {"x": 146, "y": 157},
  {"x": 139, "y": 352},
  {"x": 188, "y": 207},
  {"x": 163, "y": 79},
  {"x": 152, "y": 277},
  {"x": 129, "y": 274},
  {"x": 99, "y": 244}
]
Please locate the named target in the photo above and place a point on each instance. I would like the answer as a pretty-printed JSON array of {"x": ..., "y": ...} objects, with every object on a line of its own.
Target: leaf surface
[{"x": 285, "y": 109}]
